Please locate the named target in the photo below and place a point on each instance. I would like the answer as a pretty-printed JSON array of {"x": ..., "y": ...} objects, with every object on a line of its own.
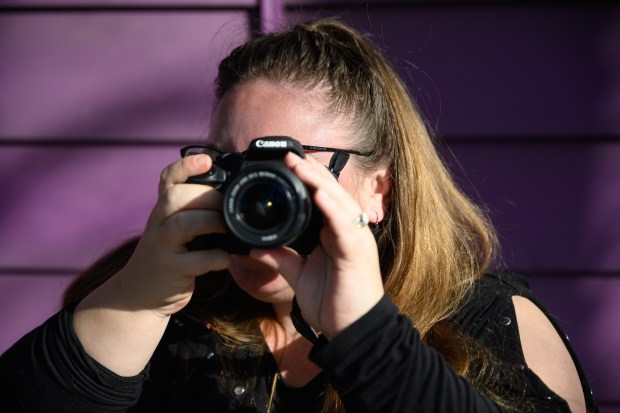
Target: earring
[{"x": 376, "y": 217}]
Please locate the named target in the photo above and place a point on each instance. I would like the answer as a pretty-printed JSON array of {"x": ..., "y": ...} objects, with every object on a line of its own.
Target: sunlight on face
[{"x": 260, "y": 108}]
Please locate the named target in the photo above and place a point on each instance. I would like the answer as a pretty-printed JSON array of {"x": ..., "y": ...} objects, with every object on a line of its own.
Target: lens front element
[
  {"x": 267, "y": 206},
  {"x": 262, "y": 204}
]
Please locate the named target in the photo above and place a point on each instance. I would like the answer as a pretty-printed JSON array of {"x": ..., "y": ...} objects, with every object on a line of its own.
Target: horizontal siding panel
[
  {"x": 556, "y": 206},
  {"x": 26, "y": 302},
  {"x": 113, "y": 75},
  {"x": 501, "y": 70},
  {"x": 588, "y": 309},
  {"x": 62, "y": 206},
  {"x": 128, "y": 4},
  {"x": 397, "y": 5}
]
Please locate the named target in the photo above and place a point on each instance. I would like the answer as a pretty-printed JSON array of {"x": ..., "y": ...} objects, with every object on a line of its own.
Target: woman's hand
[
  {"x": 161, "y": 273},
  {"x": 341, "y": 280},
  {"x": 121, "y": 323}
]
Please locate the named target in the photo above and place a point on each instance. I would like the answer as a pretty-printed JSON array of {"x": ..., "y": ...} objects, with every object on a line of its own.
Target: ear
[{"x": 380, "y": 194}]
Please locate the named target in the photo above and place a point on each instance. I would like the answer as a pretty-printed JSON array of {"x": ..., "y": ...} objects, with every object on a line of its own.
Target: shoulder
[
  {"x": 488, "y": 310},
  {"x": 505, "y": 315},
  {"x": 546, "y": 353}
]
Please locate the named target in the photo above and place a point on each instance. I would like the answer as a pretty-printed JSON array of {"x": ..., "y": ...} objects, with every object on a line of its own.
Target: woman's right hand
[
  {"x": 161, "y": 273},
  {"x": 121, "y": 323}
]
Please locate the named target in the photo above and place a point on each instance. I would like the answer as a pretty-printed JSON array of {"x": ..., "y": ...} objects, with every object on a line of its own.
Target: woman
[{"x": 408, "y": 320}]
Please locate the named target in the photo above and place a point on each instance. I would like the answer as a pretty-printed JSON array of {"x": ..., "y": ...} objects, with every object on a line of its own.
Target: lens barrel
[{"x": 266, "y": 205}]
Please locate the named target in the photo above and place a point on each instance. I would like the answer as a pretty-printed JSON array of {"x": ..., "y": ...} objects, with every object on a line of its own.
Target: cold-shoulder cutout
[{"x": 546, "y": 354}]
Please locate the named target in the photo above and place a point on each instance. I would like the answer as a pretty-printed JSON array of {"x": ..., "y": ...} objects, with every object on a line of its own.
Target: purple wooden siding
[
  {"x": 502, "y": 70},
  {"x": 206, "y": 4},
  {"x": 111, "y": 75},
  {"x": 27, "y": 301},
  {"x": 555, "y": 204},
  {"x": 74, "y": 202},
  {"x": 94, "y": 104}
]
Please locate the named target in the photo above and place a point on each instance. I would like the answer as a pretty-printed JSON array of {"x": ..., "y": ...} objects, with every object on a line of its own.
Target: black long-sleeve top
[{"x": 378, "y": 364}]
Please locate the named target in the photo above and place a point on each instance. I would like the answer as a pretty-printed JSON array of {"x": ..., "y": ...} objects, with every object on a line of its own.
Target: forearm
[
  {"x": 115, "y": 331},
  {"x": 380, "y": 364},
  {"x": 48, "y": 371}
]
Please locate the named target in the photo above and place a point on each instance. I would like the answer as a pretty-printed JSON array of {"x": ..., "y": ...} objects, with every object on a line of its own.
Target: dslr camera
[{"x": 265, "y": 204}]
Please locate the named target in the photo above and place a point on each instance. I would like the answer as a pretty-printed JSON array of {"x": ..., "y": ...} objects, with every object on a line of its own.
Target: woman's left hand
[{"x": 341, "y": 280}]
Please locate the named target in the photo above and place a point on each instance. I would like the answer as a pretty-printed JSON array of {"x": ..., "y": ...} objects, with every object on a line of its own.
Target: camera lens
[
  {"x": 267, "y": 205},
  {"x": 263, "y": 205}
]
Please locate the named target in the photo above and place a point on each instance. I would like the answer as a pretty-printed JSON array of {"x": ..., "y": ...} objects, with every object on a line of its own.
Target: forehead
[{"x": 261, "y": 108}]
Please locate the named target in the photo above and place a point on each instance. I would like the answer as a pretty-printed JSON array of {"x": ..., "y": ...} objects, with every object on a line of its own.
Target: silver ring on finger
[{"x": 361, "y": 220}]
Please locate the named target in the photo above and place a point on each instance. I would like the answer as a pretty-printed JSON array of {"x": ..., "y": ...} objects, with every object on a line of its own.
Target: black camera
[{"x": 265, "y": 204}]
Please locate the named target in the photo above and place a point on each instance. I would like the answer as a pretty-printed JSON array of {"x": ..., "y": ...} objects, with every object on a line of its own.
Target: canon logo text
[{"x": 271, "y": 144}]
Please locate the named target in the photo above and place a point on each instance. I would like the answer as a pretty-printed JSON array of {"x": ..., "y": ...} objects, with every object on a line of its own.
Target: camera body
[{"x": 265, "y": 204}]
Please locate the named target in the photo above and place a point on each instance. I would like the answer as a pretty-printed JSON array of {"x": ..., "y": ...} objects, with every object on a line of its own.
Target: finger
[
  {"x": 184, "y": 197},
  {"x": 342, "y": 220},
  {"x": 315, "y": 175},
  {"x": 283, "y": 260},
  {"x": 179, "y": 171},
  {"x": 184, "y": 226},
  {"x": 310, "y": 164},
  {"x": 337, "y": 204}
]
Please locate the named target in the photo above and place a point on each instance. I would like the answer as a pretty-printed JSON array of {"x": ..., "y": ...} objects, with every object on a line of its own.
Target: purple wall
[{"x": 96, "y": 101}]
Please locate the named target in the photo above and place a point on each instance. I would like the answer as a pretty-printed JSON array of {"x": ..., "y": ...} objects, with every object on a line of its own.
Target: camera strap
[
  {"x": 337, "y": 162},
  {"x": 301, "y": 325}
]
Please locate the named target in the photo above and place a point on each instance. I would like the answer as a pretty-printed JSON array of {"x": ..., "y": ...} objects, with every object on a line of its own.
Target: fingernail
[
  {"x": 294, "y": 161},
  {"x": 294, "y": 156},
  {"x": 201, "y": 161}
]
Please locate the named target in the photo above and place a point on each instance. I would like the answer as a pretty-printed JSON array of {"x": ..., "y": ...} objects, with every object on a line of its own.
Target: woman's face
[{"x": 261, "y": 108}]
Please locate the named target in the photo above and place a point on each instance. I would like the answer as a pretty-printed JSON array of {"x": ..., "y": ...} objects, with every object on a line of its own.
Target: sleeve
[
  {"x": 49, "y": 371},
  {"x": 380, "y": 364}
]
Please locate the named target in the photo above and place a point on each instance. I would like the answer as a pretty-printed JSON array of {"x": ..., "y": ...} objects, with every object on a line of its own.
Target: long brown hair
[{"x": 433, "y": 238}]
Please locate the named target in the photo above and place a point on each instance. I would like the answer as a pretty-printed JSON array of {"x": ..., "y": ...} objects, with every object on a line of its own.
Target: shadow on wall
[
  {"x": 601, "y": 228},
  {"x": 610, "y": 57},
  {"x": 93, "y": 106}
]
